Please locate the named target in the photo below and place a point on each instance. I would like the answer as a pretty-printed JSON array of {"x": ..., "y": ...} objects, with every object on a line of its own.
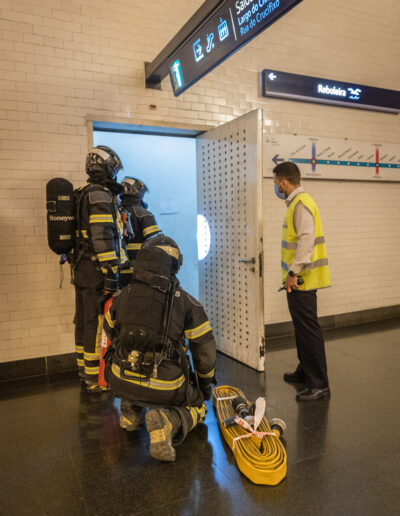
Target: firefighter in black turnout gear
[
  {"x": 140, "y": 223},
  {"x": 97, "y": 257},
  {"x": 147, "y": 366}
]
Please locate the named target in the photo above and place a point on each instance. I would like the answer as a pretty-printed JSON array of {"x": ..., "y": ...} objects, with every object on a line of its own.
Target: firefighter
[
  {"x": 147, "y": 365},
  {"x": 97, "y": 257},
  {"x": 140, "y": 223}
]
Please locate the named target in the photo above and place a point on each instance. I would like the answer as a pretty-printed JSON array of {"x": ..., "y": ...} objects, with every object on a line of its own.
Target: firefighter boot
[
  {"x": 130, "y": 417},
  {"x": 94, "y": 388},
  {"x": 162, "y": 426}
]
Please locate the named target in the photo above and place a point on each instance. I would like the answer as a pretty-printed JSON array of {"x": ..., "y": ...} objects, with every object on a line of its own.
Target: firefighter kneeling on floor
[{"x": 147, "y": 364}]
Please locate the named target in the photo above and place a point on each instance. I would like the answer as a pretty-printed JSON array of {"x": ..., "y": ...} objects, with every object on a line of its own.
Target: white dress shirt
[{"x": 304, "y": 225}]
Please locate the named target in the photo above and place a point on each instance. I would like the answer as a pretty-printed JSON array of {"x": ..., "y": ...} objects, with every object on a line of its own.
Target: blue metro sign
[{"x": 231, "y": 26}]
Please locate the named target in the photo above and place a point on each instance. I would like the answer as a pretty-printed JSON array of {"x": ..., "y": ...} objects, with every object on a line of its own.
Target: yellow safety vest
[{"x": 316, "y": 274}]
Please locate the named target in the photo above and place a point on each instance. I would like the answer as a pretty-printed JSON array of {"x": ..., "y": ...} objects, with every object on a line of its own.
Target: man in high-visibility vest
[{"x": 303, "y": 255}]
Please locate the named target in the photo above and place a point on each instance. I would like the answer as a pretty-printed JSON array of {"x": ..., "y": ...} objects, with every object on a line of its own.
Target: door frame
[{"x": 142, "y": 126}]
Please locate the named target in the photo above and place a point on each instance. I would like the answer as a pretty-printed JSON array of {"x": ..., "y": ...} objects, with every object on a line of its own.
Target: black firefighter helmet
[
  {"x": 133, "y": 187},
  {"x": 162, "y": 255},
  {"x": 105, "y": 160}
]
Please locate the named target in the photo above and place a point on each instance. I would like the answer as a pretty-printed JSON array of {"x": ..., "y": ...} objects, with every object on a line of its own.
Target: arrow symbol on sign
[
  {"x": 276, "y": 159},
  {"x": 271, "y": 76}
]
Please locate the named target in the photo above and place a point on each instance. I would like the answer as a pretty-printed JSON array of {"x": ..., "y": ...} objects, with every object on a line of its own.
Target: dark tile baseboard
[
  {"x": 337, "y": 321},
  {"x": 41, "y": 366}
]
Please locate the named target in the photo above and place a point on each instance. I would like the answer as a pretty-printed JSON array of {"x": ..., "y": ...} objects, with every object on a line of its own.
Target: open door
[{"x": 229, "y": 186}]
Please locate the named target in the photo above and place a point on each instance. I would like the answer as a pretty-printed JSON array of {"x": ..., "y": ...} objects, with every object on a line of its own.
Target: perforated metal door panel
[{"x": 229, "y": 196}]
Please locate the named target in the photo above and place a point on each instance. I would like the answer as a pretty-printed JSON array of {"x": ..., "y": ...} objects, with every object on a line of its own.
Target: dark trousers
[
  {"x": 309, "y": 339},
  {"x": 89, "y": 306}
]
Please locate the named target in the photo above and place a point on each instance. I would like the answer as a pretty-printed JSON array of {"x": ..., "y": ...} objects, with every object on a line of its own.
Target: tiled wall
[
  {"x": 63, "y": 60},
  {"x": 361, "y": 222}
]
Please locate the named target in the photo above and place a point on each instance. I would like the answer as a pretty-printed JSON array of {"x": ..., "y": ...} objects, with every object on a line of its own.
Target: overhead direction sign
[
  {"x": 327, "y": 91},
  {"x": 231, "y": 25}
]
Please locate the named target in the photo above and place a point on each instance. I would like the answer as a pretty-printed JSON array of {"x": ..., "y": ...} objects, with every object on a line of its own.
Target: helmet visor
[{"x": 172, "y": 251}]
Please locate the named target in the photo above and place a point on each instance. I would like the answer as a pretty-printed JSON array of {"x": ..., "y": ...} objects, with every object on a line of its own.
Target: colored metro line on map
[
  {"x": 314, "y": 161},
  {"x": 330, "y": 158}
]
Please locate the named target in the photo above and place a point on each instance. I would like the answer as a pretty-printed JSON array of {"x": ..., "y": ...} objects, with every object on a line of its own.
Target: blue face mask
[{"x": 279, "y": 194}]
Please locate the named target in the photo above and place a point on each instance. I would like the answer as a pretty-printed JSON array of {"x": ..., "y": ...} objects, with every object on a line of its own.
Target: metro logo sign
[{"x": 327, "y": 91}]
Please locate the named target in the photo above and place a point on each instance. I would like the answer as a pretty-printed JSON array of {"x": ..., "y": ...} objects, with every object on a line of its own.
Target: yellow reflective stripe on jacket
[
  {"x": 120, "y": 224},
  {"x": 134, "y": 246},
  {"x": 84, "y": 233},
  {"x": 197, "y": 414},
  {"x": 316, "y": 274},
  {"x": 101, "y": 218},
  {"x": 193, "y": 414},
  {"x": 106, "y": 257},
  {"x": 78, "y": 349},
  {"x": 91, "y": 370},
  {"x": 91, "y": 356},
  {"x": 100, "y": 319},
  {"x": 114, "y": 268},
  {"x": 110, "y": 322},
  {"x": 150, "y": 229},
  {"x": 124, "y": 258},
  {"x": 126, "y": 271},
  {"x": 199, "y": 331},
  {"x": 151, "y": 383},
  {"x": 207, "y": 375}
]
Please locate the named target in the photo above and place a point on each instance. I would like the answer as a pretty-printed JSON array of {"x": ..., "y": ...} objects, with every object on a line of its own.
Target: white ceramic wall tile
[{"x": 63, "y": 60}]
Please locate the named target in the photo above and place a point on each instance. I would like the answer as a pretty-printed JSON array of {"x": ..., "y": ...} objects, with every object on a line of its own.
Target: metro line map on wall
[{"x": 330, "y": 158}]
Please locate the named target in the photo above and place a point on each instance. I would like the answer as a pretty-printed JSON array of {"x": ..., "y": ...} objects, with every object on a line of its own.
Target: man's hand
[{"x": 291, "y": 283}]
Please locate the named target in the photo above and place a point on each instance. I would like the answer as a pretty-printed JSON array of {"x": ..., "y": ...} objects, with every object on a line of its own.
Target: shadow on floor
[{"x": 62, "y": 451}]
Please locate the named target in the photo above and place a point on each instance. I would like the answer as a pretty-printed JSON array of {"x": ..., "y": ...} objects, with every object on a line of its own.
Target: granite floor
[{"x": 62, "y": 451}]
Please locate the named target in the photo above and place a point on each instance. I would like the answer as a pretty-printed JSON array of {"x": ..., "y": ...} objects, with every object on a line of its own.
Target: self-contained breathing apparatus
[
  {"x": 131, "y": 197},
  {"x": 64, "y": 204},
  {"x": 146, "y": 350},
  {"x": 141, "y": 348},
  {"x": 61, "y": 218}
]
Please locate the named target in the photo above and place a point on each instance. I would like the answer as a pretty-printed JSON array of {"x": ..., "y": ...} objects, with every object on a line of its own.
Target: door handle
[{"x": 252, "y": 260}]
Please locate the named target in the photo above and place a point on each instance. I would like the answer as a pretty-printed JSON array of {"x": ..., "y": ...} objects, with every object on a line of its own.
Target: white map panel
[{"x": 330, "y": 158}]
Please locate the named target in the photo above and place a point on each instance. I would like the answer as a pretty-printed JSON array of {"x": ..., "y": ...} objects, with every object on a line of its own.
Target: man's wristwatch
[{"x": 291, "y": 274}]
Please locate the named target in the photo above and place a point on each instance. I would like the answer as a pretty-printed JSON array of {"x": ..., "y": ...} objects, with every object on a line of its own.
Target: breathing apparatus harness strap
[
  {"x": 85, "y": 248},
  {"x": 161, "y": 283},
  {"x": 168, "y": 287}
]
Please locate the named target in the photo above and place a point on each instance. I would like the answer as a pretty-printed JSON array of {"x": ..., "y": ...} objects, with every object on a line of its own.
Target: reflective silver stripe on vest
[
  {"x": 309, "y": 267},
  {"x": 293, "y": 245},
  {"x": 289, "y": 245},
  {"x": 317, "y": 263}
]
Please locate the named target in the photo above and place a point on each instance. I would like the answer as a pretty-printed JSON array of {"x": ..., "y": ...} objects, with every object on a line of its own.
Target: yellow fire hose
[{"x": 261, "y": 458}]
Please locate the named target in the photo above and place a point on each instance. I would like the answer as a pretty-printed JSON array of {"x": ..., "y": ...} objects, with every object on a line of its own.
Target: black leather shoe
[
  {"x": 313, "y": 394},
  {"x": 294, "y": 378}
]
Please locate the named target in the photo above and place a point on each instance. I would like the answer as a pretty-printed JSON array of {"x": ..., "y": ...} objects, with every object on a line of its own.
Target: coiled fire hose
[{"x": 259, "y": 452}]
